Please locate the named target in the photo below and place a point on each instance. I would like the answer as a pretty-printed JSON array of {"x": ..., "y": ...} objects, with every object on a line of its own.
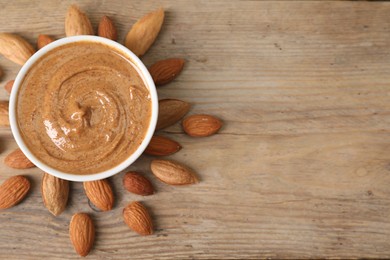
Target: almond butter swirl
[{"x": 83, "y": 108}]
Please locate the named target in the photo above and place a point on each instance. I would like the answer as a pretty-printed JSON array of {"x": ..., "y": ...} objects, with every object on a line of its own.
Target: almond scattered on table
[
  {"x": 18, "y": 160},
  {"x": 171, "y": 111},
  {"x": 137, "y": 184},
  {"x": 55, "y": 193},
  {"x": 137, "y": 217},
  {"x": 107, "y": 29},
  {"x": 13, "y": 190},
  {"x": 77, "y": 22},
  {"x": 82, "y": 233},
  {"x": 144, "y": 32},
  {"x": 162, "y": 146},
  {"x": 44, "y": 40},
  {"x": 4, "y": 115},
  {"x": 201, "y": 125},
  {"x": 8, "y": 88},
  {"x": 164, "y": 71},
  {"x": 100, "y": 194},
  {"x": 15, "y": 48},
  {"x": 173, "y": 173}
]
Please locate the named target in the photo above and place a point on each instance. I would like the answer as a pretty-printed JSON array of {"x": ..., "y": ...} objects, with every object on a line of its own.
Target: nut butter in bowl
[{"x": 83, "y": 108}]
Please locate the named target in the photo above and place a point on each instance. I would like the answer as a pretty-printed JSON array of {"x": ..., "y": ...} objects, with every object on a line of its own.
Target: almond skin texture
[
  {"x": 82, "y": 233},
  {"x": 173, "y": 173},
  {"x": 9, "y": 85},
  {"x": 100, "y": 194},
  {"x": 13, "y": 190},
  {"x": 164, "y": 71},
  {"x": 15, "y": 48},
  {"x": 137, "y": 184},
  {"x": 144, "y": 32},
  {"x": 55, "y": 193},
  {"x": 18, "y": 160},
  {"x": 170, "y": 111},
  {"x": 4, "y": 117},
  {"x": 107, "y": 29},
  {"x": 201, "y": 125},
  {"x": 44, "y": 40},
  {"x": 77, "y": 23},
  {"x": 162, "y": 146},
  {"x": 138, "y": 219}
]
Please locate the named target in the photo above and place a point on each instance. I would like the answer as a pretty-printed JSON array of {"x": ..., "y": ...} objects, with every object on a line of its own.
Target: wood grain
[{"x": 301, "y": 168}]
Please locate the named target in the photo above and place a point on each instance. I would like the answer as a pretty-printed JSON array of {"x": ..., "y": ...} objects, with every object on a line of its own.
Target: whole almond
[
  {"x": 13, "y": 190},
  {"x": 138, "y": 219},
  {"x": 138, "y": 184},
  {"x": 164, "y": 71},
  {"x": 55, "y": 193},
  {"x": 201, "y": 125},
  {"x": 144, "y": 32},
  {"x": 4, "y": 117},
  {"x": 15, "y": 48},
  {"x": 173, "y": 173},
  {"x": 107, "y": 29},
  {"x": 8, "y": 87},
  {"x": 162, "y": 146},
  {"x": 82, "y": 233},
  {"x": 100, "y": 194},
  {"x": 77, "y": 22},
  {"x": 170, "y": 111},
  {"x": 44, "y": 40},
  {"x": 18, "y": 160}
]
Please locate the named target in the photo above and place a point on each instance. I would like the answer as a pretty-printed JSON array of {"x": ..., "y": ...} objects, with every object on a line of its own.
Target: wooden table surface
[{"x": 301, "y": 168}]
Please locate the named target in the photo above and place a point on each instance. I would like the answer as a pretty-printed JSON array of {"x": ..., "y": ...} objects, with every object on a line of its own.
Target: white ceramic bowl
[{"x": 100, "y": 175}]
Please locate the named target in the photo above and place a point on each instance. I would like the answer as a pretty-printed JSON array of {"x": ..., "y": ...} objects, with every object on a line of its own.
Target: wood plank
[{"x": 301, "y": 166}]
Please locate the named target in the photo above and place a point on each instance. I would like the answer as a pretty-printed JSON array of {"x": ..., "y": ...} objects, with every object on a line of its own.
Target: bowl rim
[{"x": 144, "y": 73}]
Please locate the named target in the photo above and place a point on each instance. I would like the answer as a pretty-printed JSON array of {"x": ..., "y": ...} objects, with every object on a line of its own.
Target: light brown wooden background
[{"x": 301, "y": 168}]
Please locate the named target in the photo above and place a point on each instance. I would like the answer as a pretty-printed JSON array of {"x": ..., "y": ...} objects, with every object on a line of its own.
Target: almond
[
  {"x": 44, "y": 40},
  {"x": 107, "y": 29},
  {"x": 170, "y": 111},
  {"x": 82, "y": 233},
  {"x": 100, "y": 194},
  {"x": 138, "y": 184},
  {"x": 8, "y": 87},
  {"x": 18, "y": 160},
  {"x": 138, "y": 219},
  {"x": 13, "y": 190},
  {"x": 144, "y": 32},
  {"x": 173, "y": 173},
  {"x": 1, "y": 72},
  {"x": 201, "y": 125},
  {"x": 164, "y": 71},
  {"x": 77, "y": 23},
  {"x": 4, "y": 118},
  {"x": 162, "y": 146},
  {"x": 15, "y": 48},
  {"x": 55, "y": 193}
]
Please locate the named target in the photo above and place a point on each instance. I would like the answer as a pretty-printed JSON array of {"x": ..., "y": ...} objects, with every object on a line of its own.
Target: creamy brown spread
[{"x": 83, "y": 108}]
